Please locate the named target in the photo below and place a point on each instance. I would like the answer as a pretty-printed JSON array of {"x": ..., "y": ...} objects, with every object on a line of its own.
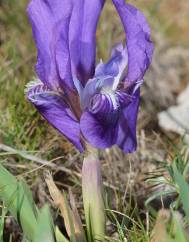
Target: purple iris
[{"x": 87, "y": 104}]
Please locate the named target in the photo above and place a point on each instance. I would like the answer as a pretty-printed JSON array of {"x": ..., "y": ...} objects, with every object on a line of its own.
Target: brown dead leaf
[
  {"x": 159, "y": 233},
  {"x": 68, "y": 213}
]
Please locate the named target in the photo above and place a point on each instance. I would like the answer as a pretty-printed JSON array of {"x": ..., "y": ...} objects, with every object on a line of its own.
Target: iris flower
[{"x": 88, "y": 104}]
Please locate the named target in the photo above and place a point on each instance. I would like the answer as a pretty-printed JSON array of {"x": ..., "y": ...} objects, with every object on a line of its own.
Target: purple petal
[
  {"x": 124, "y": 99},
  {"x": 100, "y": 132},
  {"x": 53, "y": 108},
  {"x": 99, "y": 122},
  {"x": 50, "y": 24},
  {"x": 111, "y": 68},
  {"x": 126, "y": 137},
  {"x": 139, "y": 45},
  {"x": 115, "y": 67},
  {"x": 103, "y": 126},
  {"x": 107, "y": 76},
  {"x": 82, "y": 37},
  {"x": 93, "y": 86}
]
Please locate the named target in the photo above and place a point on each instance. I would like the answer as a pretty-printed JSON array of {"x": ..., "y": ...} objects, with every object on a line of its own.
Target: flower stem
[{"x": 93, "y": 196}]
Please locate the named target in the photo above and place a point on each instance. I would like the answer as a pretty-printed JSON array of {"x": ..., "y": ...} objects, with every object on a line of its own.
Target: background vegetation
[{"x": 28, "y": 145}]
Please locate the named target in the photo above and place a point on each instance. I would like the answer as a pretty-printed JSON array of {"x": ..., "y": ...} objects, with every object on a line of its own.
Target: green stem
[{"x": 93, "y": 196}]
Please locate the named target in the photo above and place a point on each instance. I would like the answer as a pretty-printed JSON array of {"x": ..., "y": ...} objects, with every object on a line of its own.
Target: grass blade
[
  {"x": 59, "y": 236},
  {"x": 69, "y": 213},
  {"x": 183, "y": 191},
  {"x": 44, "y": 231},
  {"x": 15, "y": 197}
]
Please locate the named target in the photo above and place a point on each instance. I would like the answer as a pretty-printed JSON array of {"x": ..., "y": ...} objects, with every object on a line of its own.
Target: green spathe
[{"x": 92, "y": 197}]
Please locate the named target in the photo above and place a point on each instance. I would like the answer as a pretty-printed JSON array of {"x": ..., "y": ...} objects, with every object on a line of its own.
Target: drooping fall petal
[
  {"x": 126, "y": 137},
  {"x": 53, "y": 108},
  {"x": 99, "y": 131}
]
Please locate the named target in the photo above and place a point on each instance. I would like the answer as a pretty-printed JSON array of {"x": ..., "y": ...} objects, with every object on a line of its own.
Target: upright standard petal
[
  {"x": 107, "y": 76},
  {"x": 115, "y": 67},
  {"x": 54, "y": 109},
  {"x": 50, "y": 24},
  {"x": 82, "y": 37},
  {"x": 139, "y": 45}
]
